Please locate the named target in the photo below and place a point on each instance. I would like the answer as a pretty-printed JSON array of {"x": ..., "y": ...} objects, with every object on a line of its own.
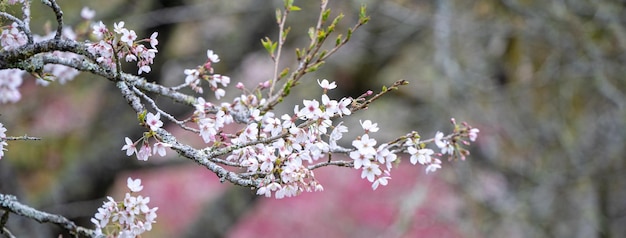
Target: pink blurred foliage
[
  {"x": 349, "y": 208},
  {"x": 346, "y": 208}
]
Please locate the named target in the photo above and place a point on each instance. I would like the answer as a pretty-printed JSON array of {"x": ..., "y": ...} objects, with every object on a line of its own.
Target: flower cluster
[
  {"x": 12, "y": 37},
  {"x": 423, "y": 156},
  {"x": 294, "y": 142},
  {"x": 153, "y": 122},
  {"x": 375, "y": 162},
  {"x": 282, "y": 162},
  {"x": 205, "y": 73},
  {"x": 10, "y": 80},
  {"x": 122, "y": 43},
  {"x": 128, "y": 218},
  {"x": 3, "y": 137},
  {"x": 15, "y": 1}
]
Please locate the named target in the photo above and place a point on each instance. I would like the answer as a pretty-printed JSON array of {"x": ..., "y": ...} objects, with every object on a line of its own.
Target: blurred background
[{"x": 542, "y": 80}]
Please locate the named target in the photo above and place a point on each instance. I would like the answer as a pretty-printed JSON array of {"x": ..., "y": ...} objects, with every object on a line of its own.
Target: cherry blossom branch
[
  {"x": 339, "y": 163},
  {"x": 10, "y": 204},
  {"x": 37, "y": 62},
  {"x": 204, "y": 160},
  {"x": 25, "y": 137},
  {"x": 185, "y": 150},
  {"x": 59, "y": 16},
  {"x": 310, "y": 59},
  {"x": 277, "y": 153},
  {"x": 282, "y": 36}
]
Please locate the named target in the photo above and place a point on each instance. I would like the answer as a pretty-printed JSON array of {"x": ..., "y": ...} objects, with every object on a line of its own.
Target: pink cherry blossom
[
  {"x": 311, "y": 110},
  {"x": 12, "y": 37},
  {"x": 273, "y": 126},
  {"x": 159, "y": 148},
  {"x": 219, "y": 93},
  {"x": 343, "y": 106},
  {"x": 3, "y": 142},
  {"x": 144, "y": 153},
  {"x": 439, "y": 140},
  {"x": 326, "y": 85},
  {"x": 154, "y": 121},
  {"x": 360, "y": 160},
  {"x": 473, "y": 134},
  {"x": 10, "y": 81},
  {"x": 370, "y": 171},
  {"x": 423, "y": 156},
  {"x": 3, "y": 131},
  {"x": 87, "y": 13},
  {"x": 330, "y": 106},
  {"x": 444, "y": 145},
  {"x": 434, "y": 166},
  {"x": 381, "y": 181},
  {"x": 118, "y": 27},
  {"x": 212, "y": 56},
  {"x": 365, "y": 145},
  {"x": 153, "y": 40},
  {"x": 131, "y": 217},
  {"x": 99, "y": 30},
  {"x": 386, "y": 157},
  {"x": 336, "y": 135},
  {"x": 368, "y": 126},
  {"x": 134, "y": 184},
  {"x": 129, "y": 147}
]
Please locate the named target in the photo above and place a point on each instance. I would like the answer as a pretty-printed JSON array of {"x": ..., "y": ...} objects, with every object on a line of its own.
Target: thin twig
[
  {"x": 24, "y": 137},
  {"x": 165, "y": 114},
  {"x": 281, "y": 42}
]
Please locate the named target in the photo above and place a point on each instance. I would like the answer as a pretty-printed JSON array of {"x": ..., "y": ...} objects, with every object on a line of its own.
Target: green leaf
[
  {"x": 142, "y": 116},
  {"x": 279, "y": 15},
  {"x": 338, "y": 41},
  {"x": 363, "y": 18},
  {"x": 325, "y": 15},
  {"x": 314, "y": 67},
  {"x": 384, "y": 88},
  {"x": 268, "y": 45},
  {"x": 350, "y": 30},
  {"x": 298, "y": 54},
  {"x": 336, "y": 20},
  {"x": 321, "y": 35},
  {"x": 284, "y": 72},
  {"x": 287, "y": 87},
  {"x": 311, "y": 33},
  {"x": 285, "y": 33},
  {"x": 288, "y": 4},
  {"x": 274, "y": 47},
  {"x": 295, "y": 8},
  {"x": 362, "y": 12},
  {"x": 322, "y": 54}
]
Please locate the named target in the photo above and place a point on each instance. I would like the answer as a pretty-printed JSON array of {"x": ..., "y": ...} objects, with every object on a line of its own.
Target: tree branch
[{"x": 9, "y": 203}]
